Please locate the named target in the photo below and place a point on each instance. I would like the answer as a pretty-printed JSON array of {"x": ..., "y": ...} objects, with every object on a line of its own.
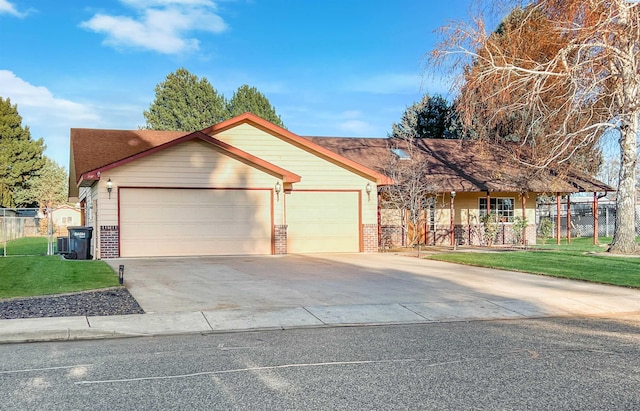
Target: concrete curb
[{"x": 238, "y": 320}]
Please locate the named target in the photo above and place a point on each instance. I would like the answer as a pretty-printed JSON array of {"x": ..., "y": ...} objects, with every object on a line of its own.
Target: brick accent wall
[
  {"x": 280, "y": 239},
  {"x": 109, "y": 240},
  {"x": 370, "y": 238},
  {"x": 392, "y": 236},
  {"x": 473, "y": 235}
]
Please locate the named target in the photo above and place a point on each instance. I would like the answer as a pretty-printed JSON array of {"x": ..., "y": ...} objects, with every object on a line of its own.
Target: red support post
[
  {"x": 524, "y": 216},
  {"x": 595, "y": 218},
  {"x": 451, "y": 219},
  {"x": 568, "y": 219},
  {"x": 558, "y": 218}
]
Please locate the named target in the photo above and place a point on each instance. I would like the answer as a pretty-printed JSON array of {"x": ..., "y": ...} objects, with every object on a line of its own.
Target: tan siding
[
  {"x": 316, "y": 172},
  {"x": 193, "y": 164},
  {"x": 466, "y": 208},
  {"x": 467, "y": 211}
]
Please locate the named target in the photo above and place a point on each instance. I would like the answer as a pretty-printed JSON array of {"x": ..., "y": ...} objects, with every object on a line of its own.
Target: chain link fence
[
  {"x": 582, "y": 219},
  {"x": 26, "y": 231}
]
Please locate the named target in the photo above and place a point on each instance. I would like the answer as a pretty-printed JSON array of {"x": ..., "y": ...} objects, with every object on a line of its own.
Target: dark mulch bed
[{"x": 113, "y": 301}]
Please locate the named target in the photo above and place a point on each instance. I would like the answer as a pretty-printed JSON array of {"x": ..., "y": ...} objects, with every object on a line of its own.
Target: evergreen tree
[
  {"x": 431, "y": 117},
  {"x": 47, "y": 189},
  {"x": 185, "y": 102},
  {"x": 249, "y": 99},
  {"x": 20, "y": 156}
]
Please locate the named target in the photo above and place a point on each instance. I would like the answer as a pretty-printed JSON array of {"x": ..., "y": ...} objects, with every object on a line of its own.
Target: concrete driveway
[{"x": 427, "y": 288}]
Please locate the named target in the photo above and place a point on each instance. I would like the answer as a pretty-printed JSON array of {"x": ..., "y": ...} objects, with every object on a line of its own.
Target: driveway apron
[{"x": 431, "y": 289}]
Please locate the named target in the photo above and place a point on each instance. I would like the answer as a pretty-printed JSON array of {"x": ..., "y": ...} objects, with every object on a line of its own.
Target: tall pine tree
[
  {"x": 185, "y": 102},
  {"x": 431, "y": 117},
  {"x": 47, "y": 189},
  {"x": 249, "y": 99},
  {"x": 20, "y": 156}
]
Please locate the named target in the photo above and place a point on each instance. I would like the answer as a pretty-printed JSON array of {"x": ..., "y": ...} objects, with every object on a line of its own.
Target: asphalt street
[{"x": 555, "y": 364}]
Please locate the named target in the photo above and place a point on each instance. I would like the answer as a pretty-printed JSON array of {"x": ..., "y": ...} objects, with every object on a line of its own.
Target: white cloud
[
  {"x": 30, "y": 97},
  {"x": 352, "y": 124},
  {"x": 46, "y": 115},
  {"x": 357, "y": 128},
  {"x": 8, "y": 8},
  {"x": 159, "y": 25}
]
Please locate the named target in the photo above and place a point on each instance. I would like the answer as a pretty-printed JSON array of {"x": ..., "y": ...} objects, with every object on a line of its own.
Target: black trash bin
[{"x": 80, "y": 243}]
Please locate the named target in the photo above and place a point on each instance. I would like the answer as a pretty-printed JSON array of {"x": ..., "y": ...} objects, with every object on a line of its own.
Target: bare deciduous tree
[
  {"x": 411, "y": 196},
  {"x": 583, "y": 83}
]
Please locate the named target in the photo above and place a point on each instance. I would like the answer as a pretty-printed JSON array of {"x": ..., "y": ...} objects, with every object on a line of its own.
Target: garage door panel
[
  {"x": 182, "y": 222},
  {"x": 323, "y": 222}
]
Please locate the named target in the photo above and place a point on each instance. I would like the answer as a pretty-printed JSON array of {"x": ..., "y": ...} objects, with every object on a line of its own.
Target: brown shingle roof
[
  {"x": 463, "y": 165},
  {"x": 93, "y": 148}
]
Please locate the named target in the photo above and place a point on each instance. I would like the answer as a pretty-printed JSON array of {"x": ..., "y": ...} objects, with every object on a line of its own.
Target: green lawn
[
  {"x": 567, "y": 261},
  {"x": 42, "y": 275},
  {"x": 26, "y": 246}
]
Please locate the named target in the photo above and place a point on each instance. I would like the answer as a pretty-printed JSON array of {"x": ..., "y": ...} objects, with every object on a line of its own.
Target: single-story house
[
  {"x": 247, "y": 186},
  {"x": 468, "y": 179},
  {"x": 65, "y": 216},
  {"x": 243, "y": 186}
]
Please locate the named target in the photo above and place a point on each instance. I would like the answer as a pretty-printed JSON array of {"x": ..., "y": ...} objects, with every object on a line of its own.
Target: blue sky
[{"x": 329, "y": 67}]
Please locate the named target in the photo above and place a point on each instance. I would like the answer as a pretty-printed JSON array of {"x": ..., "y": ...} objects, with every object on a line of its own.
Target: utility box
[
  {"x": 63, "y": 245},
  {"x": 80, "y": 243}
]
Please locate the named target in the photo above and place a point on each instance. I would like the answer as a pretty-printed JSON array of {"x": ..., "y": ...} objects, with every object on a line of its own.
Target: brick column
[
  {"x": 531, "y": 234},
  {"x": 280, "y": 239},
  {"x": 109, "y": 241},
  {"x": 370, "y": 238}
]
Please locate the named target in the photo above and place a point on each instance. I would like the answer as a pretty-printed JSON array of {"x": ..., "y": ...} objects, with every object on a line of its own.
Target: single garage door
[
  {"x": 186, "y": 222},
  {"x": 320, "y": 222}
]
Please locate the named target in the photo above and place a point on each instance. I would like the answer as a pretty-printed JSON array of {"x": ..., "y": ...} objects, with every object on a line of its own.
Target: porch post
[
  {"x": 568, "y": 219},
  {"x": 558, "y": 218},
  {"x": 452, "y": 235},
  {"x": 595, "y": 218},
  {"x": 524, "y": 215}
]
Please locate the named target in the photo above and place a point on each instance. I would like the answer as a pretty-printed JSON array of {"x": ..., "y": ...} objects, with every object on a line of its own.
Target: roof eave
[
  {"x": 88, "y": 178},
  {"x": 380, "y": 179}
]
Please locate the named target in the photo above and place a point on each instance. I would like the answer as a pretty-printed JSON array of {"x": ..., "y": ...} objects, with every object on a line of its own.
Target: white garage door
[
  {"x": 184, "y": 222},
  {"x": 321, "y": 222}
]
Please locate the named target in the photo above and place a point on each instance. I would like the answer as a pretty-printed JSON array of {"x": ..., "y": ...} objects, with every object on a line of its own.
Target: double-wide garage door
[{"x": 189, "y": 222}]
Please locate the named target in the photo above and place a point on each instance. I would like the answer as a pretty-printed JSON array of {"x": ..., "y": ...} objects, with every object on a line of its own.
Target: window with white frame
[{"x": 501, "y": 206}]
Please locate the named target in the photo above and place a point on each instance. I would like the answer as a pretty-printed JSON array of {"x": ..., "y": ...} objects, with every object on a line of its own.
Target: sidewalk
[{"x": 202, "y": 322}]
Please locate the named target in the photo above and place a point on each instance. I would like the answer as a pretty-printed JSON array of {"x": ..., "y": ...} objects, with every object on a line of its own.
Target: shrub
[
  {"x": 545, "y": 228},
  {"x": 519, "y": 225}
]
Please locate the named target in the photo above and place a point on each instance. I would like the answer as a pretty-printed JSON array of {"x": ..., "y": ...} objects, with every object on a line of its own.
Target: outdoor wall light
[
  {"x": 369, "y": 189},
  {"x": 109, "y": 187},
  {"x": 278, "y": 189},
  {"x": 453, "y": 194}
]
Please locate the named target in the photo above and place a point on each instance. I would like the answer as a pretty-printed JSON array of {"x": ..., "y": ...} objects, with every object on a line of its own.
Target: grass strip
[
  {"x": 568, "y": 261},
  {"x": 26, "y": 246},
  {"x": 42, "y": 275}
]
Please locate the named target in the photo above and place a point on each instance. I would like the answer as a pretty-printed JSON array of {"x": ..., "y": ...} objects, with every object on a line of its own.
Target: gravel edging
[{"x": 112, "y": 301}]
